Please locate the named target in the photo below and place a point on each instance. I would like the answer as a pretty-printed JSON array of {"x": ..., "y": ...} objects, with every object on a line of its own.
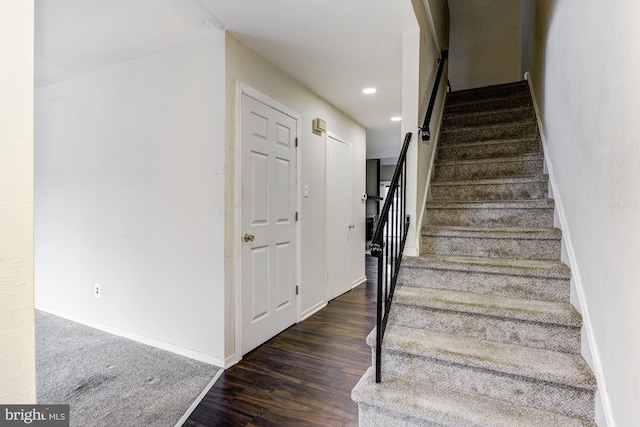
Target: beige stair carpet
[{"x": 481, "y": 331}]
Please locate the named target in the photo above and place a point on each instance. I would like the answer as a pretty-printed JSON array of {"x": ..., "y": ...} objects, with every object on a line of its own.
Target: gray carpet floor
[{"x": 113, "y": 381}]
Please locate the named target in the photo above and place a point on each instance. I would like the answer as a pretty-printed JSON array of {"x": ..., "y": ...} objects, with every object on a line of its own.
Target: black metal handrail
[
  {"x": 424, "y": 130},
  {"x": 388, "y": 244},
  {"x": 391, "y": 231}
]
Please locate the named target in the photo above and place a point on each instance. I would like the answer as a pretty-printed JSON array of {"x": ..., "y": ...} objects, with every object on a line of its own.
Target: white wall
[
  {"x": 129, "y": 189},
  {"x": 527, "y": 34},
  {"x": 439, "y": 14},
  {"x": 585, "y": 68},
  {"x": 484, "y": 42},
  {"x": 411, "y": 93},
  {"x": 419, "y": 68},
  {"x": 246, "y": 66},
  {"x": 384, "y": 143},
  {"x": 17, "y": 345}
]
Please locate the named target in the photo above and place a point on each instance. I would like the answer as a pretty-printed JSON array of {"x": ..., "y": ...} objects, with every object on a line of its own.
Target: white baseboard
[
  {"x": 313, "y": 310},
  {"x": 201, "y": 357},
  {"x": 594, "y": 355},
  {"x": 410, "y": 252},
  {"x": 358, "y": 282},
  {"x": 231, "y": 360}
]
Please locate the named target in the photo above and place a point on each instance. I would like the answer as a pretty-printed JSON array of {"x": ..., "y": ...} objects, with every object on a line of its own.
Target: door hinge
[
  {"x": 296, "y": 215},
  {"x": 296, "y": 141},
  {"x": 297, "y": 289}
]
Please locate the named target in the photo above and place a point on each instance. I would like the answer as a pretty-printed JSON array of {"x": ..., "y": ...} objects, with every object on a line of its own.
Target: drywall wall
[
  {"x": 484, "y": 42},
  {"x": 17, "y": 344},
  {"x": 384, "y": 143},
  {"x": 419, "y": 72},
  {"x": 439, "y": 13},
  {"x": 585, "y": 68},
  {"x": 129, "y": 184},
  {"x": 411, "y": 71},
  {"x": 246, "y": 66},
  {"x": 527, "y": 34}
]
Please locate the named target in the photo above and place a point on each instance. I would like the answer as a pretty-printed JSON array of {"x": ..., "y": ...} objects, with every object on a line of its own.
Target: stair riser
[
  {"x": 489, "y": 170},
  {"x": 489, "y": 133},
  {"x": 374, "y": 416},
  {"x": 481, "y": 151},
  {"x": 509, "y": 331},
  {"x": 547, "y": 250},
  {"x": 490, "y": 192},
  {"x": 510, "y": 217},
  {"x": 453, "y": 121},
  {"x": 536, "y": 288},
  {"x": 553, "y": 397}
]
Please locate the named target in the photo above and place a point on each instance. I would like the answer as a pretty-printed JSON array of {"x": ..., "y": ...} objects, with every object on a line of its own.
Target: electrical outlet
[{"x": 98, "y": 290}]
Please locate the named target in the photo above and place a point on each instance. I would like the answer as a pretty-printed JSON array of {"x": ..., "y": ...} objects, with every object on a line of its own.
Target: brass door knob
[
  {"x": 248, "y": 237},
  {"x": 352, "y": 226}
]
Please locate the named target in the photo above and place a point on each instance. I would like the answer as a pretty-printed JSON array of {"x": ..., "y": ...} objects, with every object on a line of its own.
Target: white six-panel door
[{"x": 268, "y": 224}]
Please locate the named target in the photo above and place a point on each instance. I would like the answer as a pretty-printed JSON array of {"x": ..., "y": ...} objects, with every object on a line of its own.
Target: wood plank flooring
[{"x": 304, "y": 375}]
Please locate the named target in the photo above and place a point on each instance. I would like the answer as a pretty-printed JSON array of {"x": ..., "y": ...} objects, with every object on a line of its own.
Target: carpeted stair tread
[
  {"x": 491, "y": 92},
  {"x": 521, "y": 129},
  {"x": 490, "y": 160},
  {"x": 500, "y": 204},
  {"x": 461, "y": 115},
  {"x": 431, "y": 404},
  {"x": 458, "y": 103},
  {"x": 488, "y": 149},
  {"x": 536, "y": 364},
  {"x": 489, "y": 305},
  {"x": 508, "y": 141},
  {"x": 498, "y": 242},
  {"x": 512, "y": 319},
  {"x": 491, "y": 189},
  {"x": 493, "y": 233},
  {"x": 526, "y": 124},
  {"x": 516, "y": 267},
  {"x": 487, "y": 104},
  {"x": 514, "y": 278},
  {"x": 477, "y": 118},
  {"x": 491, "y": 181},
  {"x": 497, "y": 167},
  {"x": 503, "y": 213}
]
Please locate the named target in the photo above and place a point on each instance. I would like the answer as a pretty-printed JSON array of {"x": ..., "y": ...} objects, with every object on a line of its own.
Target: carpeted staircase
[{"x": 481, "y": 331}]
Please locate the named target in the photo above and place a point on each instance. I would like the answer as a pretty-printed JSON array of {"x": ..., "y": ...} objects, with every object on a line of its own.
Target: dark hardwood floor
[{"x": 304, "y": 375}]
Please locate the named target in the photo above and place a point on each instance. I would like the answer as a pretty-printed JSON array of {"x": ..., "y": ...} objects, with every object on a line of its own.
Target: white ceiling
[{"x": 334, "y": 47}]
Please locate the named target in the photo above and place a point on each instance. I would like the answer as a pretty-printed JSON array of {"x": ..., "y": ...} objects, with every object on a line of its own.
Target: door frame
[{"x": 245, "y": 89}]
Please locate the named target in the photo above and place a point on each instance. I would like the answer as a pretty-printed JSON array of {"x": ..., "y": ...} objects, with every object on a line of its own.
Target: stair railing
[
  {"x": 388, "y": 244},
  {"x": 391, "y": 231},
  {"x": 424, "y": 130}
]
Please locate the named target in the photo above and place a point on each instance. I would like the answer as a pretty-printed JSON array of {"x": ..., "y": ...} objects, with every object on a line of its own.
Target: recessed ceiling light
[
  {"x": 396, "y": 119},
  {"x": 369, "y": 90}
]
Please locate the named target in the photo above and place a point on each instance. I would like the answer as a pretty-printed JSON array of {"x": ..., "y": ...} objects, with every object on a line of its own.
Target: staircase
[{"x": 481, "y": 331}]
